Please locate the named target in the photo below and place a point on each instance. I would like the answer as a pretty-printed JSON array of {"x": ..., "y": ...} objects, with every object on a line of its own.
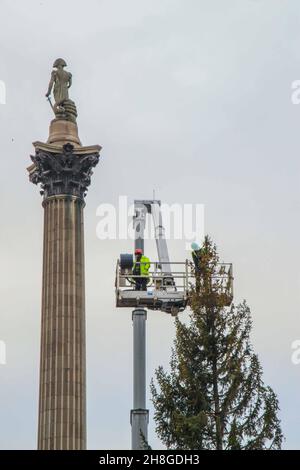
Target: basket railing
[{"x": 182, "y": 277}]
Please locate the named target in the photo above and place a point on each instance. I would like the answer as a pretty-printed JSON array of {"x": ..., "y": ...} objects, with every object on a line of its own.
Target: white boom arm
[{"x": 142, "y": 207}]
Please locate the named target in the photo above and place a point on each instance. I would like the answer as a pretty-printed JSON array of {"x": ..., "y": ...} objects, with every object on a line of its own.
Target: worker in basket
[
  {"x": 197, "y": 253},
  {"x": 141, "y": 267}
]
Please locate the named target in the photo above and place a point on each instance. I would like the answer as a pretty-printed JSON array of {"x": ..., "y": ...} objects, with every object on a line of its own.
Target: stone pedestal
[
  {"x": 64, "y": 174},
  {"x": 62, "y": 132}
]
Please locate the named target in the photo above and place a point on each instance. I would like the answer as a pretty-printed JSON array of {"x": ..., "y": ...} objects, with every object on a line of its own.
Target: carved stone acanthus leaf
[{"x": 63, "y": 173}]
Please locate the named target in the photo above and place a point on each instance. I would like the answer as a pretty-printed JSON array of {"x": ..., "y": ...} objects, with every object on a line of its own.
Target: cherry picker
[{"x": 168, "y": 290}]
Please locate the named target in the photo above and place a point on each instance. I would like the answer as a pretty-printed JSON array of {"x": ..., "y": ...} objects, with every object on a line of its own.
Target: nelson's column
[{"x": 63, "y": 168}]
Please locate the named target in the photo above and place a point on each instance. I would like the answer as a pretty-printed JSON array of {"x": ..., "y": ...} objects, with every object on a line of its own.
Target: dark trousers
[{"x": 141, "y": 283}]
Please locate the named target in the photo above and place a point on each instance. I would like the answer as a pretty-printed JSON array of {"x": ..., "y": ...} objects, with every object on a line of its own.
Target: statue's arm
[
  {"x": 70, "y": 80},
  {"x": 52, "y": 80}
]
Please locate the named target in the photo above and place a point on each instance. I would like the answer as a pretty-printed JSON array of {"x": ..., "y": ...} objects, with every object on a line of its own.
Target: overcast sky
[{"x": 192, "y": 98}]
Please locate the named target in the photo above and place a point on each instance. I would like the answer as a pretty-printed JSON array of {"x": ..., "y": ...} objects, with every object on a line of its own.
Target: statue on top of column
[{"x": 60, "y": 81}]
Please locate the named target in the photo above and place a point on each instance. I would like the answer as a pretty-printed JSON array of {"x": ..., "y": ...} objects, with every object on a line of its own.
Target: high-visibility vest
[{"x": 143, "y": 268}]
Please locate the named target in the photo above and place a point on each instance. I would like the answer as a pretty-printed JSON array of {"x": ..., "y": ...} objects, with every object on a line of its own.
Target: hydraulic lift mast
[
  {"x": 152, "y": 207},
  {"x": 139, "y": 417}
]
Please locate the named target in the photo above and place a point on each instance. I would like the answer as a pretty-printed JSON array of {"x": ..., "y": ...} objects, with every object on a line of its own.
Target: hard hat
[
  {"x": 138, "y": 251},
  {"x": 195, "y": 246}
]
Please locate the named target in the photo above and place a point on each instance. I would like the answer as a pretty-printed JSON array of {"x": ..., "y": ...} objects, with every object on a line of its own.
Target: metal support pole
[{"x": 139, "y": 414}]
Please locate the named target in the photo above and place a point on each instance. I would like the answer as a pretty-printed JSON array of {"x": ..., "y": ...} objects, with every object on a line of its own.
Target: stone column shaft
[{"x": 62, "y": 397}]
